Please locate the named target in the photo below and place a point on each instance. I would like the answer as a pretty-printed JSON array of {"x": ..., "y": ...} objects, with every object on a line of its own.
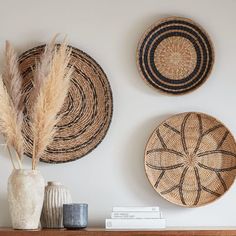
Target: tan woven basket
[
  {"x": 87, "y": 111},
  {"x": 175, "y": 55},
  {"x": 190, "y": 159}
]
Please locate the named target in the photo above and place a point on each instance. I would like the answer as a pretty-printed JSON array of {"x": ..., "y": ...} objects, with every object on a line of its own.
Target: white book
[
  {"x": 151, "y": 208},
  {"x": 135, "y": 223},
  {"x": 136, "y": 215}
]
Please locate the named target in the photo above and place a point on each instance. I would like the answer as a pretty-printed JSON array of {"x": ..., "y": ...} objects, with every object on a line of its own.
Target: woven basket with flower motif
[{"x": 190, "y": 159}]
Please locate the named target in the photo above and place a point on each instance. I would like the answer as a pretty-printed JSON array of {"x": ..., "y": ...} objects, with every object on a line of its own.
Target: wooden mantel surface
[{"x": 219, "y": 231}]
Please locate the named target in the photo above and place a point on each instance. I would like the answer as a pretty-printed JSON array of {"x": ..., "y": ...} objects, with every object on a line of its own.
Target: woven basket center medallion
[
  {"x": 190, "y": 160},
  {"x": 175, "y": 58}
]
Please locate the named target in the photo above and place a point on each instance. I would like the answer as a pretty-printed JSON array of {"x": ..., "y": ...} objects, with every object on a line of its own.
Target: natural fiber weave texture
[
  {"x": 190, "y": 159},
  {"x": 175, "y": 55},
  {"x": 87, "y": 111}
]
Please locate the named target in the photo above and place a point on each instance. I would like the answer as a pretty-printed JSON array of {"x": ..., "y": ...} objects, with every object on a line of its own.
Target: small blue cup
[{"x": 75, "y": 216}]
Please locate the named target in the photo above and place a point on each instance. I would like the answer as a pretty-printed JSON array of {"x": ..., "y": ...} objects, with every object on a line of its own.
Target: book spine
[
  {"x": 136, "y": 215},
  {"x": 135, "y": 223},
  {"x": 154, "y": 208}
]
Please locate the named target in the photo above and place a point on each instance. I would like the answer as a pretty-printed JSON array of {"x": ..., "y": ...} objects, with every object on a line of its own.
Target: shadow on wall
[
  {"x": 4, "y": 209},
  {"x": 5, "y": 216},
  {"x": 133, "y": 166}
]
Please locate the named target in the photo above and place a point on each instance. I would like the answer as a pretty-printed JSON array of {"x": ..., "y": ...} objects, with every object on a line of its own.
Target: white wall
[{"x": 109, "y": 30}]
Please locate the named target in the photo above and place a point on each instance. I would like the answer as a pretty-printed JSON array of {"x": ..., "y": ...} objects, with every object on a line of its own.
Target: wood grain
[{"x": 103, "y": 232}]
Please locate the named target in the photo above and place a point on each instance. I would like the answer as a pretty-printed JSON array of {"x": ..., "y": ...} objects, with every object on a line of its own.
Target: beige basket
[
  {"x": 87, "y": 111},
  {"x": 190, "y": 159},
  {"x": 175, "y": 55}
]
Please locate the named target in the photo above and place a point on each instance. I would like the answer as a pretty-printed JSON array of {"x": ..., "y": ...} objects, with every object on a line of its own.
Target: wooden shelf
[{"x": 220, "y": 231}]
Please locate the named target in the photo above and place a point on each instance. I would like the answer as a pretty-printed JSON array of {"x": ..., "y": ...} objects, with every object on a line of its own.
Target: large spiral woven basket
[
  {"x": 190, "y": 159},
  {"x": 175, "y": 55},
  {"x": 86, "y": 113}
]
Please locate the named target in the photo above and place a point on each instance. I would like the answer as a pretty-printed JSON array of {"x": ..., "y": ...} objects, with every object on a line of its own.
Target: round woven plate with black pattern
[
  {"x": 190, "y": 159},
  {"x": 87, "y": 111},
  {"x": 175, "y": 55}
]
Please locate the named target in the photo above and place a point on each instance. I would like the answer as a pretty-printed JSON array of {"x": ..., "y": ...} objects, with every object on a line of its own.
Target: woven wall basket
[
  {"x": 190, "y": 159},
  {"x": 175, "y": 55},
  {"x": 87, "y": 111}
]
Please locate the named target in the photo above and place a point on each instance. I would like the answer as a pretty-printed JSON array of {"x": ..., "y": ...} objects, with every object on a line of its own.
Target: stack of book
[{"x": 136, "y": 218}]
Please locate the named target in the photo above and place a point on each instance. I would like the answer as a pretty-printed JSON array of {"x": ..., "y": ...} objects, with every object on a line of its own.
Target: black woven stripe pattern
[
  {"x": 87, "y": 111},
  {"x": 188, "y": 30}
]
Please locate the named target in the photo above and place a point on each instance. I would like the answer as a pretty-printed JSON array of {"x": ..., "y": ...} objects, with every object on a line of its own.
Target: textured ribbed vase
[
  {"x": 55, "y": 196},
  {"x": 25, "y": 197}
]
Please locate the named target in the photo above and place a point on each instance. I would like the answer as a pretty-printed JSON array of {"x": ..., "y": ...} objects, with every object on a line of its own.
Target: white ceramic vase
[
  {"x": 25, "y": 197},
  {"x": 55, "y": 196}
]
